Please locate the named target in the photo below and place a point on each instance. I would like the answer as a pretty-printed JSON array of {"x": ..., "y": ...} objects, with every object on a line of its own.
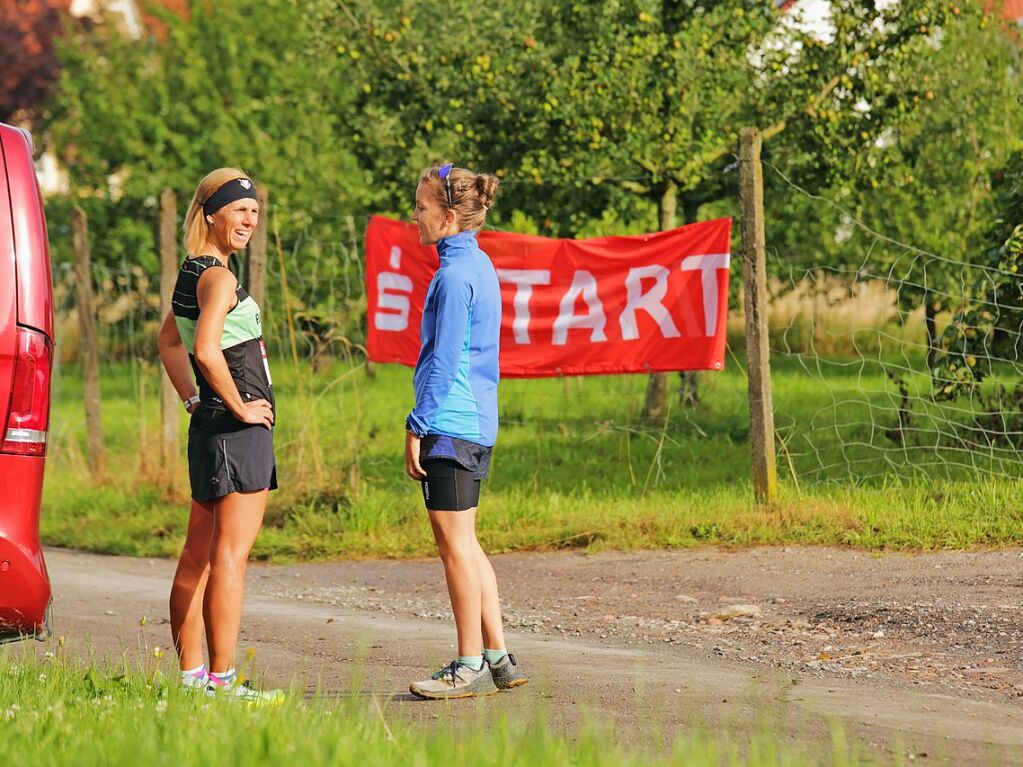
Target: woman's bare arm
[{"x": 175, "y": 358}]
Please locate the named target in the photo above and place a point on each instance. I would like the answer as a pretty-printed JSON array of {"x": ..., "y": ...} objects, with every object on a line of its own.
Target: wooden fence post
[
  {"x": 761, "y": 412},
  {"x": 88, "y": 346},
  {"x": 256, "y": 271},
  {"x": 169, "y": 400}
]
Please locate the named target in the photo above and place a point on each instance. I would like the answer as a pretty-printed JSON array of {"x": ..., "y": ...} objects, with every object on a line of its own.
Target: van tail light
[{"x": 29, "y": 416}]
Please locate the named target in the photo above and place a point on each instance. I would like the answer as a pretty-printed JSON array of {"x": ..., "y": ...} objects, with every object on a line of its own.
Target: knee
[
  {"x": 192, "y": 562},
  {"x": 457, "y": 551},
  {"x": 228, "y": 558}
]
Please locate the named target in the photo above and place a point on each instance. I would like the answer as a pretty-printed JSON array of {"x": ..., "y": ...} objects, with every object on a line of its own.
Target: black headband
[{"x": 235, "y": 189}]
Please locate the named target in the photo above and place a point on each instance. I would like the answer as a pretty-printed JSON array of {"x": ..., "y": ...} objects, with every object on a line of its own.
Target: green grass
[
  {"x": 575, "y": 467},
  {"x": 61, "y": 711}
]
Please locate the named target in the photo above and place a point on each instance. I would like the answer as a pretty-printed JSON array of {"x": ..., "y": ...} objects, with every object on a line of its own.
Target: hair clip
[{"x": 445, "y": 173}]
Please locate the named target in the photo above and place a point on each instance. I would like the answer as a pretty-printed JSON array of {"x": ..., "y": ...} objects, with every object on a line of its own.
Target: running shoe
[
  {"x": 506, "y": 673},
  {"x": 232, "y": 689},
  {"x": 455, "y": 681}
]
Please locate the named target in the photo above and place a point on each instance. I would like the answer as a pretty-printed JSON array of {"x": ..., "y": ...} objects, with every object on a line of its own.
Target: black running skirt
[{"x": 228, "y": 456}]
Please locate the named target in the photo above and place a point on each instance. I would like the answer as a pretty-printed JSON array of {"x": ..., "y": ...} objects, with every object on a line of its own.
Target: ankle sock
[
  {"x": 194, "y": 675},
  {"x": 494, "y": 656},
  {"x": 222, "y": 679},
  {"x": 475, "y": 662}
]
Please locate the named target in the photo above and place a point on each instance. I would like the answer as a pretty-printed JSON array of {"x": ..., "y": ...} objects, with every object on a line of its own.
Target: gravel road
[{"x": 920, "y": 655}]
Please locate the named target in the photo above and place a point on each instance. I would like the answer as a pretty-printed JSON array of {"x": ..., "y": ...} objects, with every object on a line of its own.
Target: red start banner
[{"x": 649, "y": 303}]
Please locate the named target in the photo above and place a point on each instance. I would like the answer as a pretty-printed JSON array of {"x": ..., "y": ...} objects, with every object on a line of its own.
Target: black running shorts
[
  {"x": 449, "y": 486},
  {"x": 228, "y": 456}
]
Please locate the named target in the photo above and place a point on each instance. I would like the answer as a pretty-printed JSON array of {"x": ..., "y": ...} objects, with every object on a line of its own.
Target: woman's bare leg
[
  {"x": 189, "y": 584},
  {"x": 236, "y": 522},
  {"x": 493, "y": 626},
  {"x": 455, "y": 534}
]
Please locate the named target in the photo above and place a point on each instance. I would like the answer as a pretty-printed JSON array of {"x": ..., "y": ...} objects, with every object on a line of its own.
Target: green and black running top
[{"x": 241, "y": 341}]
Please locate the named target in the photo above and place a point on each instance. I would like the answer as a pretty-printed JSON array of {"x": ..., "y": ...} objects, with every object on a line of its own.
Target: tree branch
[
  {"x": 634, "y": 186},
  {"x": 770, "y": 132}
]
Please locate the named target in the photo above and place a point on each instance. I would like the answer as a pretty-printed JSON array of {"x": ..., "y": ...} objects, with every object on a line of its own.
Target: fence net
[
  {"x": 898, "y": 363},
  {"x": 892, "y": 362}
]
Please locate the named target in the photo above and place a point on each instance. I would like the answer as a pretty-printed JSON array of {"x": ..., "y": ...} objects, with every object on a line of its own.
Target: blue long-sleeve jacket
[{"x": 457, "y": 372}]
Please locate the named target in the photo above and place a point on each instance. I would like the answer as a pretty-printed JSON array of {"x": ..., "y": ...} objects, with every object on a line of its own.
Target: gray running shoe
[
  {"x": 455, "y": 681},
  {"x": 506, "y": 673}
]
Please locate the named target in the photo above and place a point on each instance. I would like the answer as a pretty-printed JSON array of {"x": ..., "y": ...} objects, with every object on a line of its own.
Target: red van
[{"x": 26, "y": 354}]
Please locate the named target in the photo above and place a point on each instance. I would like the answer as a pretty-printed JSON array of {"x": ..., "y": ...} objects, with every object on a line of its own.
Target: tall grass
[{"x": 66, "y": 712}]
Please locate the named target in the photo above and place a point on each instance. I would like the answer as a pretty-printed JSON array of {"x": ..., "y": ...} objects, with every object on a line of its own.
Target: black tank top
[{"x": 241, "y": 341}]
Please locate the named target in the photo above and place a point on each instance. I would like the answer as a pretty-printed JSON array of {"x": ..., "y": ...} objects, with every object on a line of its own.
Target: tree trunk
[
  {"x": 170, "y": 440},
  {"x": 657, "y": 388},
  {"x": 689, "y": 388},
  {"x": 256, "y": 271},
  {"x": 689, "y": 380},
  {"x": 930, "y": 323}
]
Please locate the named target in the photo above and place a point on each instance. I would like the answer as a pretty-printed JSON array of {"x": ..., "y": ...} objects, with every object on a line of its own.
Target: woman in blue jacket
[{"x": 453, "y": 426}]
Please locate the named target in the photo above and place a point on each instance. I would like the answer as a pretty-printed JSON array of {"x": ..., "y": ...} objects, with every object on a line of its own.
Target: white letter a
[{"x": 583, "y": 284}]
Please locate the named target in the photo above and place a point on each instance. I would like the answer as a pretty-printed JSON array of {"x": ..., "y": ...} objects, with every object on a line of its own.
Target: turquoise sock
[
  {"x": 475, "y": 662},
  {"x": 494, "y": 656}
]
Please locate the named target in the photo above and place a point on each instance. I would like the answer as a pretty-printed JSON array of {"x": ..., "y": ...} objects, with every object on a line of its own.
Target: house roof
[
  {"x": 1013, "y": 10},
  {"x": 136, "y": 17},
  {"x": 154, "y": 24}
]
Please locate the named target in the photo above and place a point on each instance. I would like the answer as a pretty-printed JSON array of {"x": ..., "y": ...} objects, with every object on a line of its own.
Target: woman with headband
[
  {"x": 453, "y": 426},
  {"x": 213, "y": 331}
]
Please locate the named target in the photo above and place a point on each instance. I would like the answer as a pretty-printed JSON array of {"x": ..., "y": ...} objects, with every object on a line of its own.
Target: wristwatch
[{"x": 193, "y": 400}]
